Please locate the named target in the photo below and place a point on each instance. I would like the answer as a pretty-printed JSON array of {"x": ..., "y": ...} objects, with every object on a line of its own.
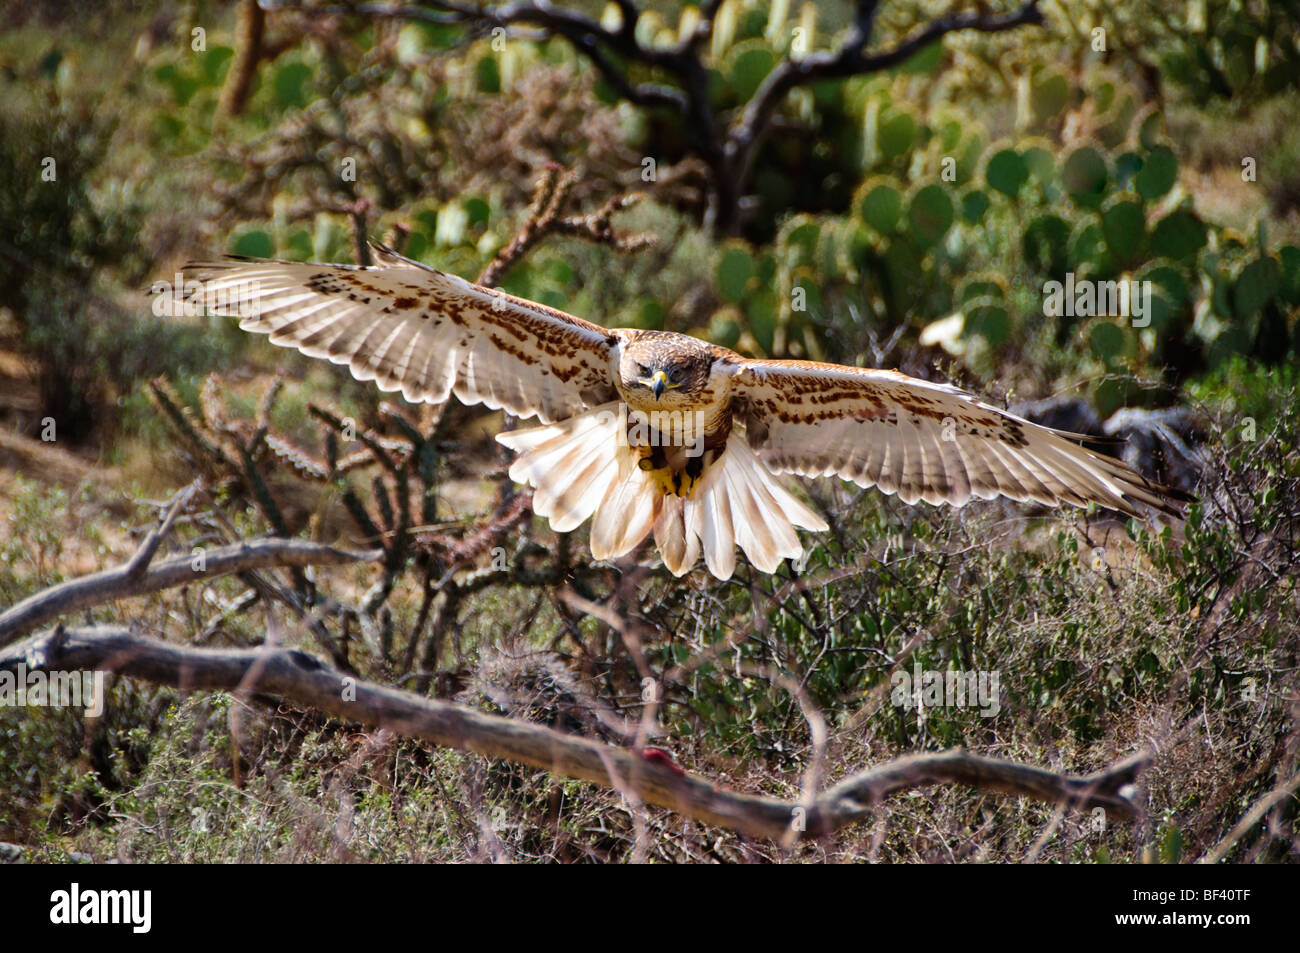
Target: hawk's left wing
[
  {"x": 924, "y": 441},
  {"x": 424, "y": 332}
]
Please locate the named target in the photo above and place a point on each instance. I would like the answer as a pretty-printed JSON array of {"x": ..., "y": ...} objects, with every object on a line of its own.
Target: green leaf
[
  {"x": 298, "y": 247},
  {"x": 254, "y": 244},
  {"x": 895, "y": 133},
  {"x": 428, "y": 221},
  {"x": 1289, "y": 256},
  {"x": 477, "y": 210},
  {"x": 905, "y": 278},
  {"x": 735, "y": 269},
  {"x": 862, "y": 247},
  {"x": 290, "y": 85},
  {"x": 930, "y": 215},
  {"x": 212, "y": 63},
  {"x": 416, "y": 39},
  {"x": 1158, "y": 173},
  {"x": 1126, "y": 167},
  {"x": 1006, "y": 172},
  {"x": 416, "y": 246},
  {"x": 881, "y": 208},
  {"x": 1085, "y": 175},
  {"x": 554, "y": 298},
  {"x": 724, "y": 327},
  {"x": 798, "y": 239},
  {"x": 973, "y": 288},
  {"x": 1088, "y": 252},
  {"x": 763, "y": 317},
  {"x": 1171, "y": 845},
  {"x": 1170, "y": 279},
  {"x": 1040, "y": 164},
  {"x": 167, "y": 127},
  {"x": 1106, "y": 341},
  {"x": 968, "y": 158},
  {"x": 1044, "y": 244},
  {"x": 949, "y": 131},
  {"x": 1180, "y": 234},
  {"x": 1170, "y": 292},
  {"x": 973, "y": 205},
  {"x": 1048, "y": 95},
  {"x": 927, "y": 59},
  {"x": 1255, "y": 287},
  {"x": 487, "y": 74},
  {"x": 183, "y": 86},
  {"x": 1123, "y": 224},
  {"x": 559, "y": 271},
  {"x": 1161, "y": 307},
  {"x": 1104, "y": 95},
  {"x": 1108, "y": 397},
  {"x": 1151, "y": 129},
  {"x": 650, "y": 314},
  {"x": 989, "y": 321},
  {"x": 746, "y": 65}
]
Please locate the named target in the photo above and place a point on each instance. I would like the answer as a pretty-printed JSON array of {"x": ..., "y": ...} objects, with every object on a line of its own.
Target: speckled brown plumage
[{"x": 431, "y": 334}]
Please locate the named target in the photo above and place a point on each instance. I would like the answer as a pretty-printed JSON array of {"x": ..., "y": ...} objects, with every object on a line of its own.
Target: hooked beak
[{"x": 659, "y": 383}]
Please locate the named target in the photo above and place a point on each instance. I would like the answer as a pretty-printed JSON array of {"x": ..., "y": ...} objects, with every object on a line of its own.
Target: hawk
[{"x": 650, "y": 432}]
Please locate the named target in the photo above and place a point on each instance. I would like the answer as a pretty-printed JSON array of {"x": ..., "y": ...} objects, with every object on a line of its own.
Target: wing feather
[
  {"x": 421, "y": 331},
  {"x": 925, "y": 441}
]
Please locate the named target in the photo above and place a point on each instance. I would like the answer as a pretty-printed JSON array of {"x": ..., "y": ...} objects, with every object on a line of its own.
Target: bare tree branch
[
  {"x": 544, "y": 218},
  {"x": 304, "y": 680},
  {"x": 251, "y": 29},
  {"x": 729, "y": 153},
  {"x": 851, "y": 59},
  {"x": 120, "y": 582},
  {"x": 149, "y": 547}
]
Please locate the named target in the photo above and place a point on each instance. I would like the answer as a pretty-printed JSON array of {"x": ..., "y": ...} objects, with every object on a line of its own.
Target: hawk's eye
[
  {"x": 675, "y": 377},
  {"x": 643, "y": 370}
]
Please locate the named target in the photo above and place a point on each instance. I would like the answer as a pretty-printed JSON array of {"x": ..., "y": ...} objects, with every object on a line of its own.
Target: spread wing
[
  {"x": 421, "y": 331},
  {"x": 924, "y": 441}
]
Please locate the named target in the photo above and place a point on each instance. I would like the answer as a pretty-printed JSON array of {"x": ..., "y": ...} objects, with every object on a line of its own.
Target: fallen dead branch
[{"x": 302, "y": 679}]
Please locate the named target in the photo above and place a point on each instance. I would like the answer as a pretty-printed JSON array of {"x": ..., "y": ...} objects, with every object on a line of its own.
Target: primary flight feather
[{"x": 650, "y": 432}]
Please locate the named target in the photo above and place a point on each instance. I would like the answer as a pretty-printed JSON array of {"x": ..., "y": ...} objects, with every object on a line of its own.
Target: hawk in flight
[{"x": 652, "y": 432}]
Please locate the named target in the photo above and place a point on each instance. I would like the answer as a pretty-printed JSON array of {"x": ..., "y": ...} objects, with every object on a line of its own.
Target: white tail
[{"x": 582, "y": 467}]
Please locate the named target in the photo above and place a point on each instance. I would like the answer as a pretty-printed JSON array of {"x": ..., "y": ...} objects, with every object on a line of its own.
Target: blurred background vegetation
[{"x": 908, "y": 217}]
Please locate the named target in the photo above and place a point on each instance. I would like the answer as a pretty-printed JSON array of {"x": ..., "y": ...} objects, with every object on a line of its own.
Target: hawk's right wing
[{"x": 421, "y": 331}]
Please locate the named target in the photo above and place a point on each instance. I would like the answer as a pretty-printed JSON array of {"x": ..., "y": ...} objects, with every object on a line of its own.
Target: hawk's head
[{"x": 665, "y": 370}]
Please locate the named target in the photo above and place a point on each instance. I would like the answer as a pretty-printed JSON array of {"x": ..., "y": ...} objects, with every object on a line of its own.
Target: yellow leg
[{"x": 671, "y": 482}]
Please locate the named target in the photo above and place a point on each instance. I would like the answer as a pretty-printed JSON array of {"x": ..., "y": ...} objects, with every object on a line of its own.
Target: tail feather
[
  {"x": 756, "y": 527},
  {"x": 764, "y": 512},
  {"x": 624, "y": 517},
  {"x": 580, "y": 469},
  {"x": 576, "y": 502},
  {"x": 719, "y": 536},
  {"x": 678, "y": 544},
  {"x": 569, "y": 463},
  {"x": 795, "y": 510}
]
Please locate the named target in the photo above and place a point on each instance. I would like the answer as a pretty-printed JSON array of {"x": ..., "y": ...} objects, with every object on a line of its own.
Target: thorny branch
[{"x": 544, "y": 219}]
